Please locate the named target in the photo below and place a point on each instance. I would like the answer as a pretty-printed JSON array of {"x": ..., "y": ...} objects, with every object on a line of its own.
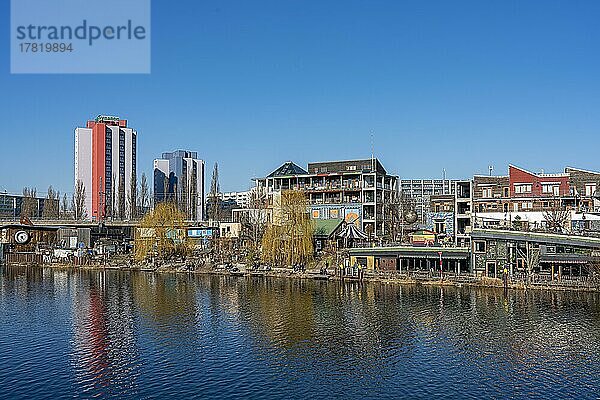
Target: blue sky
[{"x": 457, "y": 85}]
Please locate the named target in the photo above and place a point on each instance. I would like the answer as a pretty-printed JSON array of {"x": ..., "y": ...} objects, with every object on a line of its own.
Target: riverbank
[{"x": 393, "y": 278}]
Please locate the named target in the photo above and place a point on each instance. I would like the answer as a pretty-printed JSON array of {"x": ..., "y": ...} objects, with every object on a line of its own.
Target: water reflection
[
  {"x": 105, "y": 355},
  {"x": 150, "y": 335}
]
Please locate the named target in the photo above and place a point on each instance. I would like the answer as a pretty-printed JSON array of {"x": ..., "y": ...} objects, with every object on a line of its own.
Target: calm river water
[{"x": 140, "y": 335}]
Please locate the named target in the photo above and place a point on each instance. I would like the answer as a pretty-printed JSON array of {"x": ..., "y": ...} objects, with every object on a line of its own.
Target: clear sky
[{"x": 445, "y": 84}]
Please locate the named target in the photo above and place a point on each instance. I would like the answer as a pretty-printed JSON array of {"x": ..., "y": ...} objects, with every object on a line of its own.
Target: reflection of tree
[
  {"x": 167, "y": 300},
  {"x": 342, "y": 338},
  {"x": 280, "y": 309}
]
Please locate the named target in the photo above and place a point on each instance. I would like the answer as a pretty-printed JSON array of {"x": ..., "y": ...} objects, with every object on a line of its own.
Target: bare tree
[
  {"x": 592, "y": 268},
  {"x": 194, "y": 197},
  {"x": 184, "y": 200},
  {"x": 133, "y": 197},
  {"x": 51, "y": 204},
  {"x": 144, "y": 197},
  {"x": 557, "y": 217},
  {"x": 29, "y": 203},
  {"x": 254, "y": 222},
  {"x": 121, "y": 200},
  {"x": 78, "y": 202},
  {"x": 64, "y": 207},
  {"x": 530, "y": 256},
  {"x": 214, "y": 198},
  {"x": 392, "y": 216}
]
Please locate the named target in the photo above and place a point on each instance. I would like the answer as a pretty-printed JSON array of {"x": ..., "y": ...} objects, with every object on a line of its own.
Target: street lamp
[{"x": 441, "y": 271}]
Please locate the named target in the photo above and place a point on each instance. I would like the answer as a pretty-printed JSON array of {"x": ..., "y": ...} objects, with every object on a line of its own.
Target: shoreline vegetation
[{"x": 347, "y": 274}]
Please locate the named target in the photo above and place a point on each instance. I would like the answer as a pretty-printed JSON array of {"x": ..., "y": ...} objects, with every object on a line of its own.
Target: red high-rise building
[{"x": 105, "y": 163}]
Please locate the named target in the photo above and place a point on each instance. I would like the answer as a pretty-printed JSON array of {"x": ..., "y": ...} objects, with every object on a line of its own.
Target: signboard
[
  {"x": 200, "y": 232},
  {"x": 107, "y": 118}
]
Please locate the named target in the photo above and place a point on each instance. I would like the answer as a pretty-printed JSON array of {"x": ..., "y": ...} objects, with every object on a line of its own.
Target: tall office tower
[
  {"x": 105, "y": 163},
  {"x": 179, "y": 177}
]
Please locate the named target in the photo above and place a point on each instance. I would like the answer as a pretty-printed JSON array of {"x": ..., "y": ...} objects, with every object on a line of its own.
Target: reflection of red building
[
  {"x": 99, "y": 362},
  {"x": 524, "y": 183}
]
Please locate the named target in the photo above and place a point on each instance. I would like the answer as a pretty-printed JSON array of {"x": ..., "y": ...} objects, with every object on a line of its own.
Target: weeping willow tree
[
  {"x": 162, "y": 233},
  {"x": 289, "y": 239}
]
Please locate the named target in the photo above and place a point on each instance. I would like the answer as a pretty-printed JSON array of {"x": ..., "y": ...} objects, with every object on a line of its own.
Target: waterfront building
[
  {"x": 546, "y": 254},
  {"x": 421, "y": 190},
  {"x": 583, "y": 186},
  {"x": 179, "y": 177},
  {"x": 440, "y": 216},
  {"x": 357, "y": 191},
  {"x": 405, "y": 259},
  {"x": 536, "y": 200},
  {"x": 463, "y": 205},
  {"x": 105, "y": 163}
]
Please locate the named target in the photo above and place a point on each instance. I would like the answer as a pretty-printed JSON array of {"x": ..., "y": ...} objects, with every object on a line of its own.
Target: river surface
[{"x": 84, "y": 334}]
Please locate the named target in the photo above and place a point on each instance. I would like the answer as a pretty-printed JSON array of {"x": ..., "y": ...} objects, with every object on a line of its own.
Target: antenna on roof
[
  {"x": 491, "y": 168},
  {"x": 443, "y": 180},
  {"x": 372, "y": 150}
]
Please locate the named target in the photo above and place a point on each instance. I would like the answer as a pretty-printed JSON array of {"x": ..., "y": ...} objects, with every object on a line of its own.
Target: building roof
[
  {"x": 326, "y": 227},
  {"x": 341, "y": 166},
  {"x": 454, "y": 253},
  {"x": 587, "y": 171},
  {"x": 287, "y": 169},
  {"x": 554, "y": 238},
  {"x": 539, "y": 175},
  {"x": 30, "y": 227}
]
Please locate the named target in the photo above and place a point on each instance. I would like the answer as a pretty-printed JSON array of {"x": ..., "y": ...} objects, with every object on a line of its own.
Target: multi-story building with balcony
[
  {"x": 240, "y": 199},
  {"x": 530, "y": 198},
  {"x": 463, "y": 197},
  {"x": 421, "y": 190},
  {"x": 358, "y": 191}
]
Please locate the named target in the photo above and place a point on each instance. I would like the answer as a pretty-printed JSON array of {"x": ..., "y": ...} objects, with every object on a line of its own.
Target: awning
[{"x": 350, "y": 231}]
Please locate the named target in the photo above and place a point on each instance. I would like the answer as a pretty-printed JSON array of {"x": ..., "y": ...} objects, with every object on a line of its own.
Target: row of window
[{"x": 547, "y": 188}]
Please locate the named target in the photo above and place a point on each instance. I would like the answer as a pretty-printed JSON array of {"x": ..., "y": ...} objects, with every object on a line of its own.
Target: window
[
  {"x": 351, "y": 167},
  {"x": 479, "y": 246},
  {"x": 486, "y": 192},
  {"x": 440, "y": 226},
  {"x": 590, "y": 189},
  {"x": 523, "y": 188},
  {"x": 551, "y": 188},
  {"x": 505, "y": 191}
]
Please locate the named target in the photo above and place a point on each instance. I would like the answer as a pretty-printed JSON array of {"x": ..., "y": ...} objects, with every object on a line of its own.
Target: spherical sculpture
[{"x": 410, "y": 217}]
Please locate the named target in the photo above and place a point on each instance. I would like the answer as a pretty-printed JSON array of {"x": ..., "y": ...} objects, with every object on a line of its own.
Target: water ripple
[{"x": 101, "y": 334}]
